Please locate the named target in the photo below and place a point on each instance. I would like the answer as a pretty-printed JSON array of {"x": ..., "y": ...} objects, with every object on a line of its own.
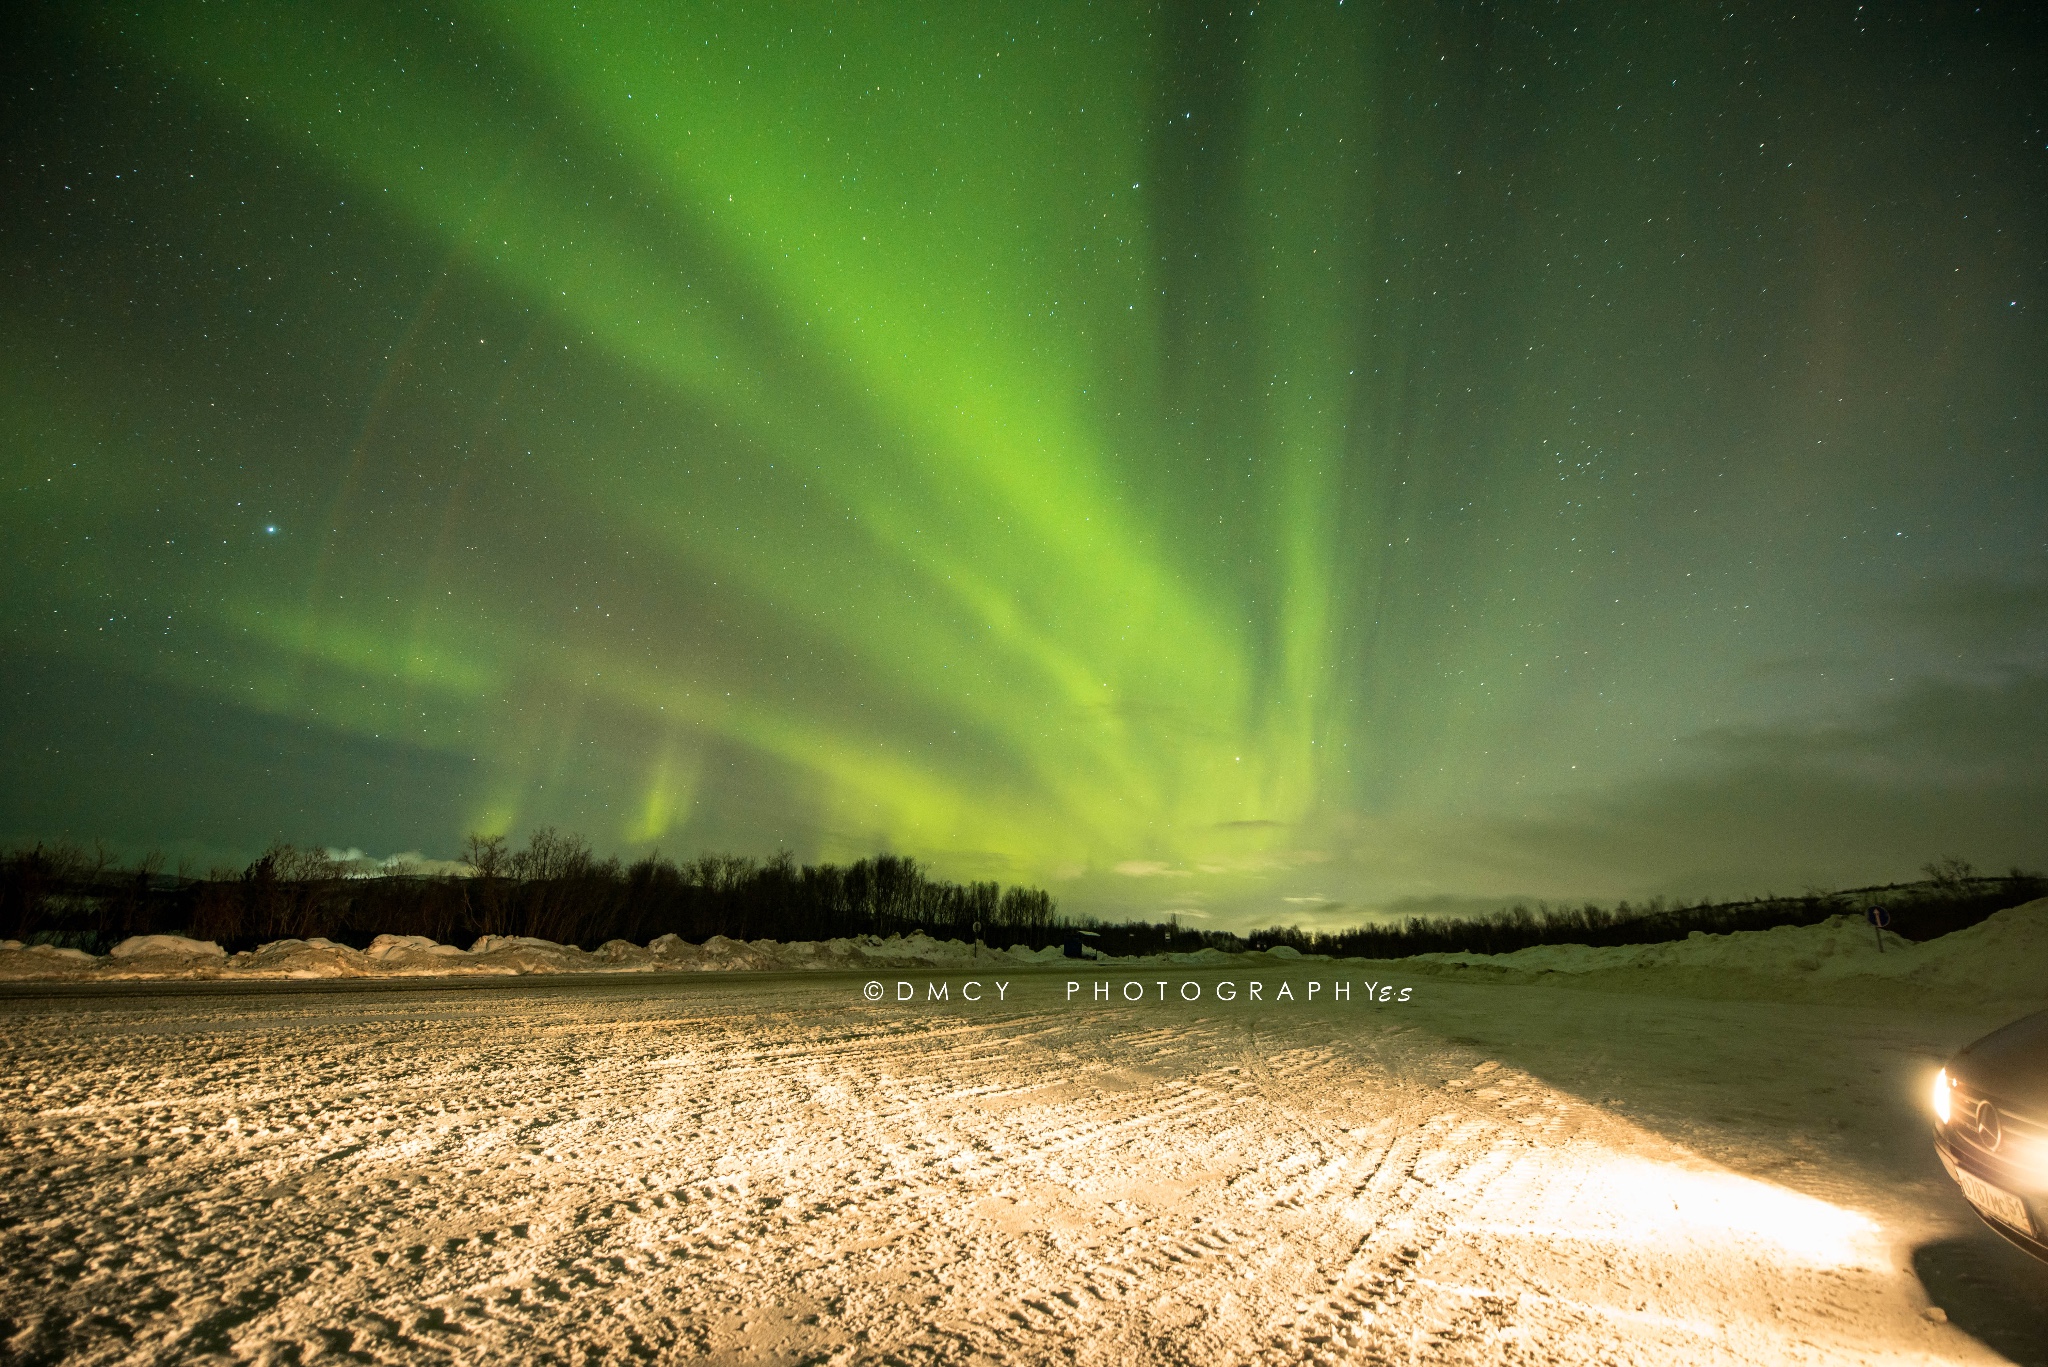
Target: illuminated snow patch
[{"x": 1638, "y": 1201}]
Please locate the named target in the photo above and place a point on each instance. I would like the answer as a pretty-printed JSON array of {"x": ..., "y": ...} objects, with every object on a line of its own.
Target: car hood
[{"x": 2010, "y": 1062}]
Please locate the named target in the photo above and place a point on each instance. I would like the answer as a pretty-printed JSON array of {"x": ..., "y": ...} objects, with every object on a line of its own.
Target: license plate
[{"x": 1998, "y": 1204}]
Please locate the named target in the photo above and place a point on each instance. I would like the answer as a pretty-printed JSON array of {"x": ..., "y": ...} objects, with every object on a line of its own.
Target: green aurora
[{"x": 1255, "y": 465}]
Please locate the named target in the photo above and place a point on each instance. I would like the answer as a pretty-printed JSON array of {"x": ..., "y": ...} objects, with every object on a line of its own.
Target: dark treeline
[
  {"x": 554, "y": 889},
  {"x": 557, "y": 889},
  {"x": 1952, "y": 897}
]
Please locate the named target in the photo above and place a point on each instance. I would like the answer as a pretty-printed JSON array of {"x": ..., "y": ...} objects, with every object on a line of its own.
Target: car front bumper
[{"x": 1996, "y": 1191}]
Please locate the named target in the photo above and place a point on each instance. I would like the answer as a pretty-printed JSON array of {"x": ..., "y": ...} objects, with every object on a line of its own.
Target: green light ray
[
  {"x": 968, "y": 450},
  {"x": 690, "y": 359},
  {"x": 1041, "y": 491}
]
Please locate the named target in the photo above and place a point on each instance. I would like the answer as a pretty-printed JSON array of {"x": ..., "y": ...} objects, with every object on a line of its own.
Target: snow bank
[
  {"x": 417, "y": 956},
  {"x": 18, "y": 960},
  {"x": 390, "y": 956},
  {"x": 166, "y": 946},
  {"x": 138, "y": 956},
  {"x": 2003, "y": 958},
  {"x": 402, "y": 946}
]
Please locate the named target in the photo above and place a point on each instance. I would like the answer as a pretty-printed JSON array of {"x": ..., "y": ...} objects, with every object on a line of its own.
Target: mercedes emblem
[{"x": 1988, "y": 1131}]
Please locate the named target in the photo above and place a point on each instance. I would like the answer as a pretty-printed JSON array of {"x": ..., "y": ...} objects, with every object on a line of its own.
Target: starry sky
[{"x": 1294, "y": 465}]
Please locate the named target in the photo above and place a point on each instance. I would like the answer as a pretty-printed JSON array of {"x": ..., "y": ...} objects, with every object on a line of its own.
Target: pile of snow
[
  {"x": 402, "y": 946},
  {"x": 315, "y": 958},
  {"x": 138, "y": 956},
  {"x": 2003, "y": 958},
  {"x": 18, "y": 960},
  {"x": 149, "y": 956},
  {"x": 166, "y": 947},
  {"x": 419, "y": 956}
]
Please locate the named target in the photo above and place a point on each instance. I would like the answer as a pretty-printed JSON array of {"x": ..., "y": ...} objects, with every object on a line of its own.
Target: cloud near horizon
[{"x": 1150, "y": 868}]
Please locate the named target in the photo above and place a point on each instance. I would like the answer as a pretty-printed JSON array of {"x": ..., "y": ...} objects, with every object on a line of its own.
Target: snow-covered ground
[{"x": 772, "y": 1166}]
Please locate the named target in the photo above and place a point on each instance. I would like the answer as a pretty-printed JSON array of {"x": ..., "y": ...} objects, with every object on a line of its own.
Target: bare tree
[
  {"x": 485, "y": 854},
  {"x": 1949, "y": 872}
]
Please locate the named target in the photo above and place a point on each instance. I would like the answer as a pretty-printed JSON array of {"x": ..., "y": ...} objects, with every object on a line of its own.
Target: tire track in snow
[{"x": 660, "y": 1172}]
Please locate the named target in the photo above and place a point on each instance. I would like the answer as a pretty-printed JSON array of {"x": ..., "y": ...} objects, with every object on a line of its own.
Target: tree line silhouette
[
  {"x": 1952, "y": 897},
  {"x": 556, "y": 888},
  {"x": 553, "y": 889}
]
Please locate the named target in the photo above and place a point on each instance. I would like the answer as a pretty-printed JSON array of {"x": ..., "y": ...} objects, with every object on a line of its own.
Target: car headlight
[{"x": 1940, "y": 1097}]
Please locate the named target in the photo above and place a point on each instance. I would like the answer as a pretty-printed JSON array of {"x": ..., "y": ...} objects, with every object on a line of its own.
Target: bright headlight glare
[{"x": 1941, "y": 1106}]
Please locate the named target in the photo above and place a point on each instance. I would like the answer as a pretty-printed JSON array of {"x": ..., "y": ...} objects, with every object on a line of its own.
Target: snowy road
[{"x": 772, "y": 1168}]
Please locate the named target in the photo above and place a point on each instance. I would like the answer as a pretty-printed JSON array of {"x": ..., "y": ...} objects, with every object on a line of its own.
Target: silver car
[{"x": 1991, "y": 1129}]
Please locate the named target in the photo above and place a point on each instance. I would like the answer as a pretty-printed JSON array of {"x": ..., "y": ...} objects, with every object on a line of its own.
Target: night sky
[{"x": 1265, "y": 466}]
